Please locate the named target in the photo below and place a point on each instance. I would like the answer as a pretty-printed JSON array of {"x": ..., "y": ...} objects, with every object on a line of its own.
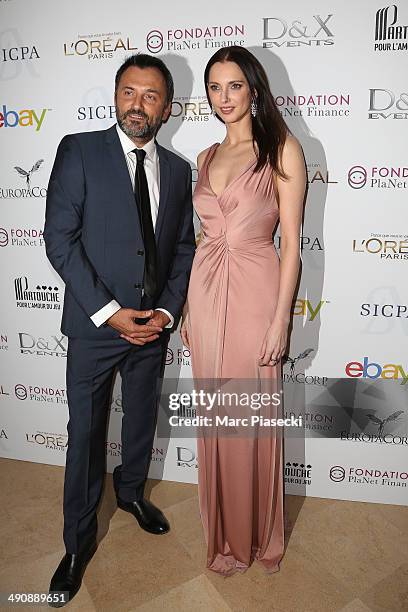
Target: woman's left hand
[{"x": 274, "y": 343}]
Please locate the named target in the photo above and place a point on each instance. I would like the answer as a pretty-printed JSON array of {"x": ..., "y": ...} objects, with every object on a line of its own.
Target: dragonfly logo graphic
[
  {"x": 381, "y": 422},
  {"x": 293, "y": 360},
  {"x": 27, "y": 175}
]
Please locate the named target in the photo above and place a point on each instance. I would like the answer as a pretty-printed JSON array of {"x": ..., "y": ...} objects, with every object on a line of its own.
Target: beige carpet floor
[{"x": 340, "y": 556}]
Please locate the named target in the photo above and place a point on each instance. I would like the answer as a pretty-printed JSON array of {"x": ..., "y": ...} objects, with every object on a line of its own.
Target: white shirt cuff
[
  {"x": 169, "y": 315},
  {"x": 100, "y": 317}
]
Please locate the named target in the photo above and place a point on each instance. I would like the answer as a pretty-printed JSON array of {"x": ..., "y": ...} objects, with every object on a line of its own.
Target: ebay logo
[
  {"x": 371, "y": 369},
  {"x": 22, "y": 118}
]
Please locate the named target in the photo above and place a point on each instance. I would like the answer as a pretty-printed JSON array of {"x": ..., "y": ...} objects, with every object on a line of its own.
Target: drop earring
[
  {"x": 214, "y": 114},
  {"x": 254, "y": 108}
]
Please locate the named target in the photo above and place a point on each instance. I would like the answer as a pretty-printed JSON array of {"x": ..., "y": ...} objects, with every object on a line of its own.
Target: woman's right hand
[{"x": 184, "y": 333}]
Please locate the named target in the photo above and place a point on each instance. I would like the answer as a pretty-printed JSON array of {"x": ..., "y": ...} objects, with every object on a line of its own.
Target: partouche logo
[
  {"x": 39, "y": 393},
  {"x": 383, "y": 100},
  {"x": 370, "y": 476},
  {"x": 279, "y": 33},
  {"x": 28, "y": 191},
  {"x": 373, "y": 370},
  {"x": 42, "y": 296},
  {"x": 298, "y": 473},
  {"x": 53, "y": 346},
  {"x": 12, "y": 54},
  {"x": 204, "y": 37},
  {"x": 19, "y": 236},
  {"x": 386, "y": 246},
  {"x": 384, "y": 310},
  {"x": 380, "y": 436},
  {"x": 314, "y": 105},
  {"x": 389, "y": 35},
  {"x": 378, "y": 177},
  {"x": 99, "y": 46},
  {"x": 27, "y": 117}
]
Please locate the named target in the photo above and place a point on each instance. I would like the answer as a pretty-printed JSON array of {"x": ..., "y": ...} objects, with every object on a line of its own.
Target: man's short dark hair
[{"x": 143, "y": 60}]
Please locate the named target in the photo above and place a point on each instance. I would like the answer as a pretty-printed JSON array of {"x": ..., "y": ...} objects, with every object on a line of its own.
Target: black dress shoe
[
  {"x": 68, "y": 576},
  {"x": 149, "y": 517}
]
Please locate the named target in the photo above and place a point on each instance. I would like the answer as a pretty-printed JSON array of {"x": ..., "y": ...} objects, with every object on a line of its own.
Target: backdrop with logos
[{"x": 337, "y": 78}]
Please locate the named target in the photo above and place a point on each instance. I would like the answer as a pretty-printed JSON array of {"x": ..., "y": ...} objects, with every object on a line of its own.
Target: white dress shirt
[{"x": 152, "y": 169}]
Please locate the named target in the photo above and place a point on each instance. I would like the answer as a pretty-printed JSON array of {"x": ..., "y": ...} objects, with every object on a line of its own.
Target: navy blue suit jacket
[{"x": 93, "y": 236}]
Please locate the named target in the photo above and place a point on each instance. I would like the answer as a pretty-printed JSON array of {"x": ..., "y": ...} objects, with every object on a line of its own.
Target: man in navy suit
[{"x": 119, "y": 231}]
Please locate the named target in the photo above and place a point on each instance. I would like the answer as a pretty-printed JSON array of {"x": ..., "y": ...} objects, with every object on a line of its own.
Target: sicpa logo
[{"x": 23, "y": 118}]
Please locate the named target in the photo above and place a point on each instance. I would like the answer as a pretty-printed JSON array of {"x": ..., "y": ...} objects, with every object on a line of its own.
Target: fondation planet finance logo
[
  {"x": 4, "y": 239},
  {"x": 154, "y": 41},
  {"x": 337, "y": 473},
  {"x": 193, "y": 38},
  {"x": 378, "y": 177},
  {"x": 319, "y": 105},
  {"x": 41, "y": 393},
  {"x": 372, "y": 476},
  {"x": 21, "y": 237}
]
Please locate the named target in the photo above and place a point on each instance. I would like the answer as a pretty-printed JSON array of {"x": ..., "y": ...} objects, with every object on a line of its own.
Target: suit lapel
[
  {"x": 119, "y": 170},
  {"x": 164, "y": 188}
]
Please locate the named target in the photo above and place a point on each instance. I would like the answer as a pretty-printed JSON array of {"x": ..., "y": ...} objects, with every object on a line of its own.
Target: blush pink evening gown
[{"x": 231, "y": 302}]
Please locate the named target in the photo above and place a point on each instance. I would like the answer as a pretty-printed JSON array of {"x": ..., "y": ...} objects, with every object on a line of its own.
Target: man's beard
[{"x": 147, "y": 130}]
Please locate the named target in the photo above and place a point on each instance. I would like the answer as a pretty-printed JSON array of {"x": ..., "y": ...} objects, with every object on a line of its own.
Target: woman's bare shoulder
[
  {"x": 292, "y": 145},
  {"x": 201, "y": 157}
]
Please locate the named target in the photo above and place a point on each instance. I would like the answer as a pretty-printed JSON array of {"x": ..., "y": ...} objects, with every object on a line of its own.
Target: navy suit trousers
[{"x": 91, "y": 366}]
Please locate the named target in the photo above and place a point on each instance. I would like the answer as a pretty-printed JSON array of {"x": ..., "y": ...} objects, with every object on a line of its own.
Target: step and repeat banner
[{"x": 339, "y": 79}]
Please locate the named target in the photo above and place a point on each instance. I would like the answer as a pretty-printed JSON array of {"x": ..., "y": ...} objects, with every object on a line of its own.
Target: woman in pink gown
[{"x": 239, "y": 302}]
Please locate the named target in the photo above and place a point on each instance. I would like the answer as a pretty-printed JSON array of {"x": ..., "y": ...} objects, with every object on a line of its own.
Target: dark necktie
[{"x": 143, "y": 201}]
